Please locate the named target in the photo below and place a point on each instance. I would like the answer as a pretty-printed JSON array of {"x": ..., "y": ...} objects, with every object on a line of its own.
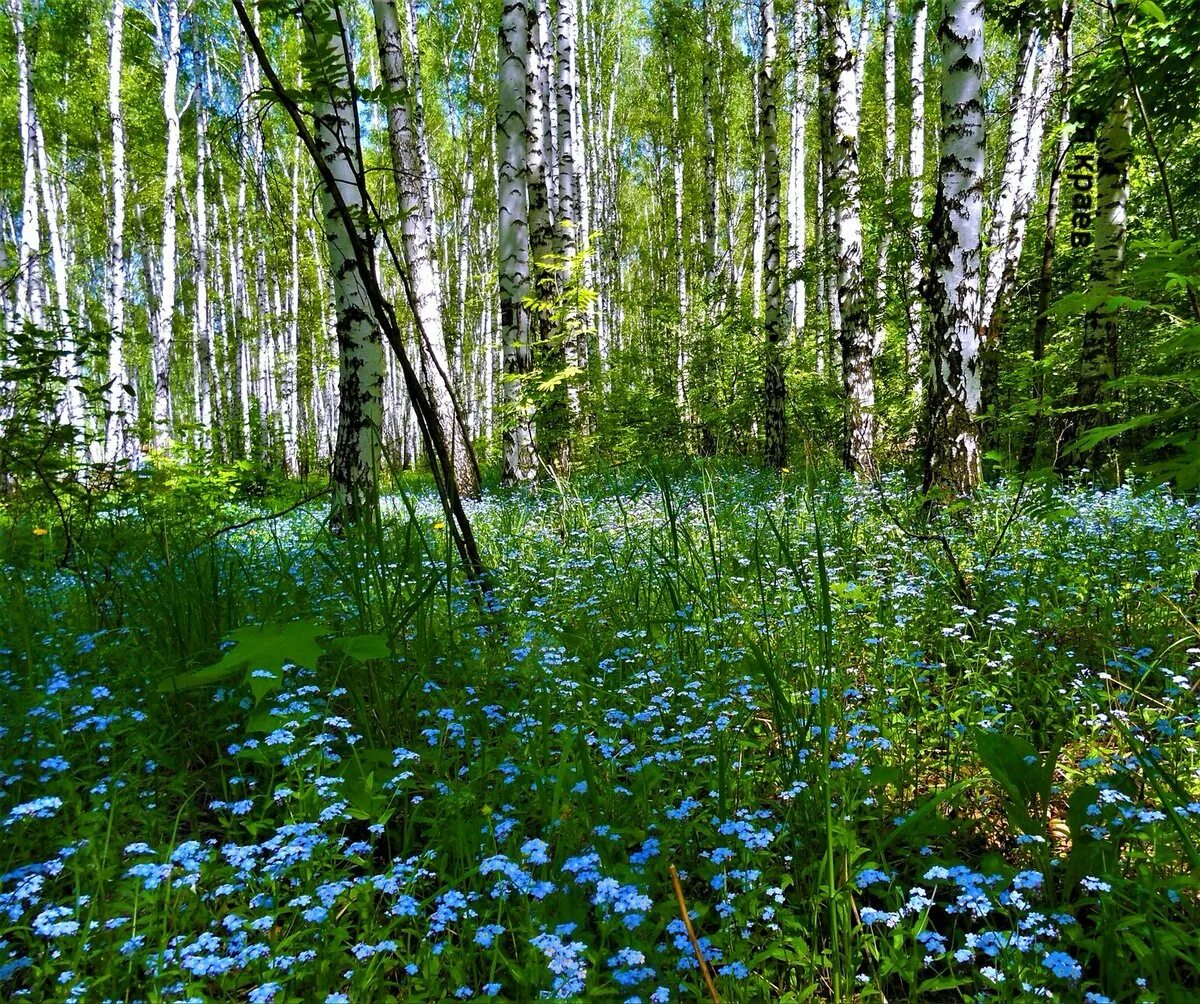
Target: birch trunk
[
  {"x": 775, "y": 387},
  {"x": 207, "y": 415},
  {"x": 1050, "y": 235},
  {"x": 356, "y": 454},
  {"x": 889, "y": 170},
  {"x": 417, "y": 229},
  {"x": 914, "y": 301},
  {"x": 513, "y": 241},
  {"x": 168, "y": 43},
  {"x": 678, "y": 255},
  {"x": 289, "y": 389},
  {"x": 546, "y": 335},
  {"x": 30, "y": 281},
  {"x": 796, "y": 174},
  {"x": 1037, "y": 74},
  {"x": 570, "y": 206},
  {"x": 858, "y": 380},
  {"x": 952, "y": 457}
]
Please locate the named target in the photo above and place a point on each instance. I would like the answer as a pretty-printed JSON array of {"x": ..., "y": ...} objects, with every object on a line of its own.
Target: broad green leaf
[
  {"x": 1152, "y": 10},
  {"x": 360, "y": 647},
  {"x": 262, "y": 648}
]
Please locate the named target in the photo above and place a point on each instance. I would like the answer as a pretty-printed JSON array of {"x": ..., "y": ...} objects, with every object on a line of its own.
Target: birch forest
[{"x": 618, "y": 500}]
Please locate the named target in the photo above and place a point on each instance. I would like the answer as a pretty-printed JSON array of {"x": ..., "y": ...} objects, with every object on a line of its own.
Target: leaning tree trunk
[
  {"x": 858, "y": 380},
  {"x": 1041, "y": 322},
  {"x": 952, "y": 458},
  {"x": 360, "y": 356},
  {"x": 1033, "y": 87},
  {"x": 1098, "y": 361},
  {"x": 775, "y": 387},
  {"x": 513, "y": 241},
  {"x": 416, "y": 227}
]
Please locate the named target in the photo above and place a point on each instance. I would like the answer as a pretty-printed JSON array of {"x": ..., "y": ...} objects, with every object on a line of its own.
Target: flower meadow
[{"x": 889, "y": 759}]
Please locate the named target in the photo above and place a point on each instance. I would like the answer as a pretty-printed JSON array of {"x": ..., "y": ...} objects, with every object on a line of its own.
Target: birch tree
[
  {"x": 513, "y": 240},
  {"x": 416, "y": 228},
  {"x": 858, "y": 379},
  {"x": 1037, "y": 72},
  {"x": 952, "y": 458},
  {"x": 30, "y": 279},
  {"x": 914, "y": 301},
  {"x": 796, "y": 207},
  {"x": 775, "y": 387},
  {"x": 360, "y": 356},
  {"x": 167, "y": 41}
]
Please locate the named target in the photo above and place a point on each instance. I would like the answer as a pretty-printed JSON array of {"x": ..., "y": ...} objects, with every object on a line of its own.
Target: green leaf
[
  {"x": 1151, "y": 9},
  {"x": 264, "y": 649},
  {"x": 361, "y": 647},
  {"x": 1016, "y": 766}
]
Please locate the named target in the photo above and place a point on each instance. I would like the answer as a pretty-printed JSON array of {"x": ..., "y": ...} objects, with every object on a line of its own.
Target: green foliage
[{"x": 768, "y": 677}]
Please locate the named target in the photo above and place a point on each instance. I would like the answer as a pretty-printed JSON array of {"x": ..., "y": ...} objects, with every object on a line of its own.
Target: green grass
[{"x": 891, "y": 760}]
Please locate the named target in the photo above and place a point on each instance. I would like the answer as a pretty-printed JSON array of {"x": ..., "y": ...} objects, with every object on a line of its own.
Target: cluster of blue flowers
[{"x": 514, "y": 841}]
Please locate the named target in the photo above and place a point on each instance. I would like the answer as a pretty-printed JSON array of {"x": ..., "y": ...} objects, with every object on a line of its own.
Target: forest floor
[{"x": 887, "y": 763}]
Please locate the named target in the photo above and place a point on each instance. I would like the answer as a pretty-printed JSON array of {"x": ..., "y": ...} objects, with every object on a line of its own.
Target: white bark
[
  {"x": 513, "y": 239},
  {"x": 796, "y": 209},
  {"x": 952, "y": 453},
  {"x": 775, "y": 386},
  {"x": 168, "y": 43},
  {"x": 417, "y": 229},
  {"x": 30, "y": 281},
  {"x": 360, "y": 353},
  {"x": 207, "y": 416},
  {"x": 916, "y": 181},
  {"x": 1037, "y": 72},
  {"x": 571, "y": 217},
  {"x": 858, "y": 379},
  {"x": 889, "y": 169}
]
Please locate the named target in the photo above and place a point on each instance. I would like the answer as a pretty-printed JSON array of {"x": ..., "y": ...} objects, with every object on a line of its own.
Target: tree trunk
[
  {"x": 952, "y": 458},
  {"x": 775, "y": 385},
  {"x": 547, "y": 335},
  {"x": 914, "y": 301},
  {"x": 797, "y": 223},
  {"x": 416, "y": 229},
  {"x": 570, "y": 205},
  {"x": 1098, "y": 361},
  {"x": 889, "y": 170},
  {"x": 168, "y": 42},
  {"x": 1050, "y": 236},
  {"x": 513, "y": 241},
  {"x": 30, "y": 280},
  {"x": 1037, "y": 72},
  {"x": 360, "y": 356},
  {"x": 207, "y": 415},
  {"x": 858, "y": 380}
]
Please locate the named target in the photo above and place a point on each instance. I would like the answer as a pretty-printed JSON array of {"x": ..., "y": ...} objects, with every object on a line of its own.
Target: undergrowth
[{"x": 890, "y": 759}]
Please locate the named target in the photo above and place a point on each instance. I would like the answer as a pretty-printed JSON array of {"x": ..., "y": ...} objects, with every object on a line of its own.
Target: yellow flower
[
  {"x": 40, "y": 531},
  {"x": 439, "y": 525}
]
